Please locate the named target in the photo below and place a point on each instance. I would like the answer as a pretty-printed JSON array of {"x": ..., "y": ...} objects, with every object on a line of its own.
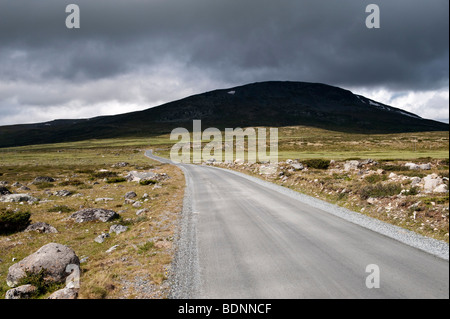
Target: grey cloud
[{"x": 225, "y": 42}]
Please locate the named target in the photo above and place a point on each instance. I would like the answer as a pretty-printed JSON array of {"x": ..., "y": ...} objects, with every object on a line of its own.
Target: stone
[
  {"x": 43, "y": 179},
  {"x": 41, "y": 227},
  {"x": 53, "y": 258},
  {"x": 4, "y": 191},
  {"x": 351, "y": 165},
  {"x": 101, "y": 238},
  {"x": 431, "y": 182},
  {"x": 17, "y": 198},
  {"x": 65, "y": 293},
  {"x": 21, "y": 292},
  {"x": 118, "y": 229},
  {"x": 93, "y": 214},
  {"x": 371, "y": 200},
  {"x": 141, "y": 211},
  {"x": 412, "y": 166},
  {"x": 297, "y": 166},
  {"x": 443, "y": 188},
  {"x": 425, "y": 166},
  {"x": 130, "y": 195},
  {"x": 112, "y": 248},
  {"x": 415, "y": 181},
  {"x": 63, "y": 193},
  {"x": 104, "y": 199},
  {"x": 120, "y": 164},
  {"x": 135, "y": 176},
  {"x": 137, "y": 204}
]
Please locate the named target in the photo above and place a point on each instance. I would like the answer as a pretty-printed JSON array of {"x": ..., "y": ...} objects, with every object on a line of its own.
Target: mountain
[{"x": 272, "y": 104}]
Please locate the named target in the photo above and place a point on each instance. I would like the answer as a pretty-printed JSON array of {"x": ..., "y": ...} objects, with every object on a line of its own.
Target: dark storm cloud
[{"x": 226, "y": 41}]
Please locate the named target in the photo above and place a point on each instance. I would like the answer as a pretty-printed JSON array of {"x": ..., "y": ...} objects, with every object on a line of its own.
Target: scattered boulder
[
  {"x": 432, "y": 182},
  {"x": 4, "y": 191},
  {"x": 104, "y": 199},
  {"x": 65, "y": 293},
  {"x": 63, "y": 193},
  {"x": 137, "y": 204},
  {"x": 21, "y": 292},
  {"x": 141, "y": 211},
  {"x": 42, "y": 228},
  {"x": 92, "y": 214},
  {"x": 101, "y": 238},
  {"x": 135, "y": 176},
  {"x": 267, "y": 170},
  {"x": 118, "y": 229},
  {"x": 43, "y": 179},
  {"x": 130, "y": 195},
  {"x": 112, "y": 248},
  {"x": 297, "y": 166},
  {"x": 351, "y": 165},
  {"x": 120, "y": 164},
  {"x": 53, "y": 258},
  {"x": 17, "y": 198},
  {"x": 413, "y": 166},
  {"x": 443, "y": 188}
]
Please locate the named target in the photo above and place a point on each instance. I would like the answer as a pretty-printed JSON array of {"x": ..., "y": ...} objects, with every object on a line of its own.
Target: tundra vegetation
[{"x": 87, "y": 175}]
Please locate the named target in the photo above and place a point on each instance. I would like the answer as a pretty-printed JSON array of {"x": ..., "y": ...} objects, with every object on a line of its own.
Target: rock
[
  {"x": 118, "y": 229},
  {"x": 130, "y": 195},
  {"x": 112, "y": 248},
  {"x": 104, "y": 199},
  {"x": 17, "y": 198},
  {"x": 63, "y": 193},
  {"x": 431, "y": 182},
  {"x": 53, "y": 257},
  {"x": 369, "y": 161},
  {"x": 267, "y": 170},
  {"x": 392, "y": 176},
  {"x": 137, "y": 204},
  {"x": 43, "y": 179},
  {"x": 92, "y": 214},
  {"x": 141, "y": 211},
  {"x": 239, "y": 161},
  {"x": 120, "y": 164},
  {"x": 351, "y": 165},
  {"x": 4, "y": 191},
  {"x": 21, "y": 292},
  {"x": 425, "y": 166},
  {"x": 101, "y": 238},
  {"x": 42, "y": 228},
  {"x": 65, "y": 293},
  {"x": 135, "y": 176},
  {"x": 412, "y": 166},
  {"x": 443, "y": 188},
  {"x": 415, "y": 181},
  {"x": 297, "y": 166},
  {"x": 372, "y": 200},
  {"x": 129, "y": 201}
]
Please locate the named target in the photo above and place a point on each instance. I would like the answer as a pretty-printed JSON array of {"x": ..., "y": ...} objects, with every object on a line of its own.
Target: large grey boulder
[
  {"x": 135, "y": 176},
  {"x": 53, "y": 258},
  {"x": 21, "y": 292},
  {"x": 65, "y": 293},
  {"x": 17, "y": 198},
  {"x": 431, "y": 182},
  {"x": 93, "y": 214},
  {"x": 351, "y": 165},
  {"x": 41, "y": 227}
]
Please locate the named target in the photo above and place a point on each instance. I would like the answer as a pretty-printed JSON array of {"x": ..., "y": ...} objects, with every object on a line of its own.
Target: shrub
[
  {"x": 112, "y": 180},
  {"x": 74, "y": 182},
  {"x": 13, "y": 221},
  {"x": 104, "y": 174},
  {"x": 38, "y": 280},
  {"x": 44, "y": 185},
  {"x": 380, "y": 190},
  {"x": 372, "y": 179},
  {"x": 60, "y": 208},
  {"x": 317, "y": 163},
  {"x": 147, "y": 181}
]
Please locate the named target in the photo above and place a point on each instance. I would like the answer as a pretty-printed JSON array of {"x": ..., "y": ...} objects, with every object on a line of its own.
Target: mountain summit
[{"x": 272, "y": 104}]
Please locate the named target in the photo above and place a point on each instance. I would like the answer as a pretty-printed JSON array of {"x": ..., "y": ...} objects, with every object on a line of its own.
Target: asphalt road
[{"x": 254, "y": 242}]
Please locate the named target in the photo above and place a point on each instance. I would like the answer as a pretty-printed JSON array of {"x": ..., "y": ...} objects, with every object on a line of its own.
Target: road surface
[{"x": 246, "y": 240}]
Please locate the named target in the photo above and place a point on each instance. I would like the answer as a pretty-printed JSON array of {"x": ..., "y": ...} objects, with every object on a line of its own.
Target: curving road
[{"x": 242, "y": 239}]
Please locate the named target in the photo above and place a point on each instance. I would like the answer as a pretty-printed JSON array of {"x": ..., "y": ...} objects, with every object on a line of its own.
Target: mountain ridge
[{"x": 271, "y": 103}]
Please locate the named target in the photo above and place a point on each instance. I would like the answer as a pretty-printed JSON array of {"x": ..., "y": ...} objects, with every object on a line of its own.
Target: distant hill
[{"x": 272, "y": 104}]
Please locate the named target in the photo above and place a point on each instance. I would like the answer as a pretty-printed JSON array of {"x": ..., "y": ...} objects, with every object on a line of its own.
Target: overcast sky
[{"x": 134, "y": 54}]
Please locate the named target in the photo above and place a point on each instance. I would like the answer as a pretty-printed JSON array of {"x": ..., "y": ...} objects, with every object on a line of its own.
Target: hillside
[{"x": 275, "y": 104}]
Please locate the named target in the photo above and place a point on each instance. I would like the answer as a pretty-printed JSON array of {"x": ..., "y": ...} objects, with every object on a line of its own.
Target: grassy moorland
[
  {"x": 383, "y": 189},
  {"x": 140, "y": 265}
]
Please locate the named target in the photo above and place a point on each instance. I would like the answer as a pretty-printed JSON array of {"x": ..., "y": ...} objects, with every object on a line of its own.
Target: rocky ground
[
  {"x": 117, "y": 223},
  {"x": 413, "y": 195}
]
